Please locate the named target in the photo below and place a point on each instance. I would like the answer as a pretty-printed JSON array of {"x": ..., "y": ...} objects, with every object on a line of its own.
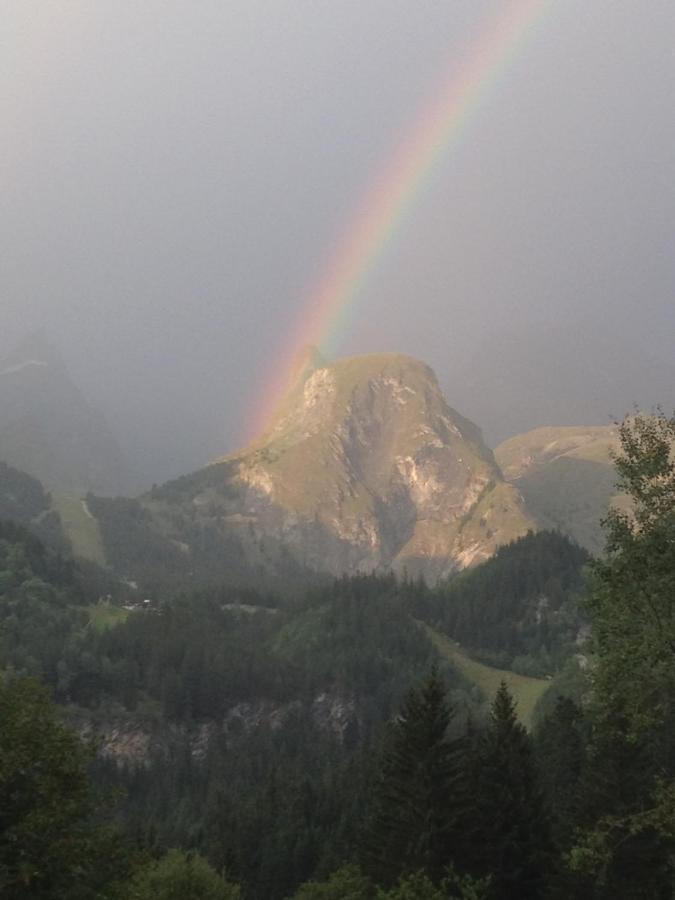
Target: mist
[{"x": 175, "y": 174}]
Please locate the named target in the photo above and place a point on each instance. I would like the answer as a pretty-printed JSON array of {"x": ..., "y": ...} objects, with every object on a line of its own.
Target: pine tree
[
  {"x": 511, "y": 834},
  {"x": 420, "y": 800}
]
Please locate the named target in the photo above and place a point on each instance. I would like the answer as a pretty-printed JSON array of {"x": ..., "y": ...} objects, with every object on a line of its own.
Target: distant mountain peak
[
  {"x": 25, "y": 364},
  {"x": 566, "y": 476},
  {"x": 35, "y": 349},
  {"x": 47, "y": 427}
]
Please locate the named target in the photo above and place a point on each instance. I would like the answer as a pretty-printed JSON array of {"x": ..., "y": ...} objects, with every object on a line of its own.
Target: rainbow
[{"x": 386, "y": 204}]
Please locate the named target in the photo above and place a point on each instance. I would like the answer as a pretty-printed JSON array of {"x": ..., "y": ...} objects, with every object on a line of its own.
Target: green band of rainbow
[{"x": 385, "y": 206}]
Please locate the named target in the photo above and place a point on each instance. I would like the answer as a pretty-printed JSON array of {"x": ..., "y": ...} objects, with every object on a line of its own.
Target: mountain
[
  {"x": 565, "y": 476},
  {"x": 364, "y": 467},
  {"x": 614, "y": 371},
  {"x": 368, "y": 449},
  {"x": 24, "y": 501},
  {"x": 48, "y": 429}
]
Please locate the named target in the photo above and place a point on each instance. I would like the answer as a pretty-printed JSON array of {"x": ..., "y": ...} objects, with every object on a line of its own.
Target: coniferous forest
[{"x": 331, "y": 740}]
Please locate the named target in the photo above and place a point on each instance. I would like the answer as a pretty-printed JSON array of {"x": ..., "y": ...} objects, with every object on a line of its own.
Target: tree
[
  {"x": 511, "y": 834},
  {"x": 632, "y": 603},
  {"x": 49, "y": 847},
  {"x": 561, "y": 749},
  {"x": 420, "y": 801},
  {"x": 628, "y": 841},
  {"x": 180, "y": 876},
  {"x": 349, "y": 884}
]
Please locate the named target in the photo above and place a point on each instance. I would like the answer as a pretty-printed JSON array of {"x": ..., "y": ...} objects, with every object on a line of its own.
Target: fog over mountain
[{"x": 174, "y": 175}]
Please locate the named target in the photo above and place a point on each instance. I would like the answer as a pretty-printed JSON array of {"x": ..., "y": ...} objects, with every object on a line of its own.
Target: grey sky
[{"x": 173, "y": 173}]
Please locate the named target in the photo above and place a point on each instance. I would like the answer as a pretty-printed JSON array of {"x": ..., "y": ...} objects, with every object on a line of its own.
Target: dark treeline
[
  {"x": 519, "y": 610},
  {"x": 317, "y": 746}
]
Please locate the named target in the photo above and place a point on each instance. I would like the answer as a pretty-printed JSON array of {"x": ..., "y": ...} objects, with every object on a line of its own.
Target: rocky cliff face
[{"x": 365, "y": 467}]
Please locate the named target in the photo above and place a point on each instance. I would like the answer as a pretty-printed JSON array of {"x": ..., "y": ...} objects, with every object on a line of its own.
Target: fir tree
[
  {"x": 561, "y": 750},
  {"x": 512, "y": 829},
  {"x": 419, "y": 802}
]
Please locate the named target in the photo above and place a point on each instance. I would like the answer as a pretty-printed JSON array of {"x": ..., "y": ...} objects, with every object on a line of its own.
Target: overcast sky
[{"x": 173, "y": 172}]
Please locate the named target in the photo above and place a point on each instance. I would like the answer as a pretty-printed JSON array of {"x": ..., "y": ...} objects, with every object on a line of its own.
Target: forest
[{"x": 313, "y": 741}]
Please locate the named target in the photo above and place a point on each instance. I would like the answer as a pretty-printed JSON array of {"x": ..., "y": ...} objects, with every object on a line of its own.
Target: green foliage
[
  {"x": 356, "y": 636},
  {"x": 419, "y": 886},
  {"x": 560, "y": 741},
  {"x": 527, "y": 691},
  {"x": 22, "y": 497},
  {"x": 24, "y": 501},
  {"x": 511, "y": 839},
  {"x": 519, "y": 608},
  {"x": 293, "y": 699},
  {"x": 168, "y": 544},
  {"x": 626, "y": 846},
  {"x": 572, "y": 682},
  {"x": 106, "y": 615},
  {"x": 420, "y": 803},
  {"x": 350, "y": 884},
  {"x": 632, "y": 598},
  {"x": 37, "y": 621},
  {"x": 269, "y": 750},
  {"x": 48, "y": 846},
  {"x": 130, "y": 543},
  {"x": 216, "y": 476},
  {"x": 346, "y": 884},
  {"x": 180, "y": 876}
]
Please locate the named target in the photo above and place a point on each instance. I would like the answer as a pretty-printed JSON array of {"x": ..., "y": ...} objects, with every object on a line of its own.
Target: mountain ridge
[
  {"x": 364, "y": 467},
  {"x": 49, "y": 430},
  {"x": 566, "y": 476}
]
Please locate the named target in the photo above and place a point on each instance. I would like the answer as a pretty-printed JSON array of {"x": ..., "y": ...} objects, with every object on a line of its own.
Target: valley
[
  {"x": 253, "y": 647},
  {"x": 337, "y": 460}
]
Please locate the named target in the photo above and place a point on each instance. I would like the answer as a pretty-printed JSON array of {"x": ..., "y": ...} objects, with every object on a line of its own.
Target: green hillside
[
  {"x": 107, "y": 615},
  {"x": 526, "y": 691},
  {"x": 81, "y": 527},
  {"x": 24, "y": 500}
]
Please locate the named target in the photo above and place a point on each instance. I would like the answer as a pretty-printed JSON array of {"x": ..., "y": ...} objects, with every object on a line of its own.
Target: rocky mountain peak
[{"x": 365, "y": 467}]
